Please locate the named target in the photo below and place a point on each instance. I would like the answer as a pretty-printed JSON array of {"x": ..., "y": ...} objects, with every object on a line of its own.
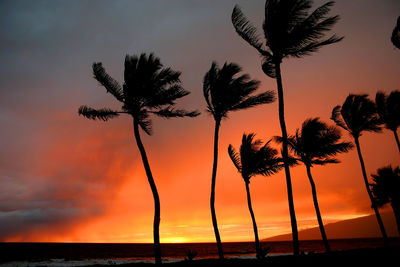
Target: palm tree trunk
[
  {"x": 374, "y": 206},
  {"x": 252, "y": 218},
  {"x": 212, "y": 198},
  {"x": 156, "y": 222},
  {"x": 396, "y": 211},
  {"x": 317, "y": 211},
  {"x": 293, "y": 221},
  {"x": 397, "y": 139}
]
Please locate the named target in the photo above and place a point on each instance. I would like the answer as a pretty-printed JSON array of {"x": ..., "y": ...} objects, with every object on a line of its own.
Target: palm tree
[
  {"x": 356, "y": 115},
  {"x": 290, "y": 31},
  {"x": 148, "y": 89},
  {"x": 316, "y": 144},
  {"x": 388, "y": 109},
  {"x": 386, "y": 189},
  {"x": 396, "y": 34},
  {"x": 254, "y": 159},
  {"x": 226, "y": 90}
]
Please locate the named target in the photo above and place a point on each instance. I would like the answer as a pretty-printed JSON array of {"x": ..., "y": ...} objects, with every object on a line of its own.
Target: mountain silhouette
[{"x": 361, "y": 227}]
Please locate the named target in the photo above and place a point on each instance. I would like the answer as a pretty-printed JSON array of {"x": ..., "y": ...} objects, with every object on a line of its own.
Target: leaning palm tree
[
  {"x": 254, "y": 159},
  {"x": 396, "y": 34},
  {"x": 316, "y": 144},
  {"x": 148, "y": 89},
  {"x": 290, "y": 31},
  {"x": 226, "y": 90},
  {"x": 357, "y": 115},
  {"x": 386, "y": 189},
  {"x": 388, "y": 109}
]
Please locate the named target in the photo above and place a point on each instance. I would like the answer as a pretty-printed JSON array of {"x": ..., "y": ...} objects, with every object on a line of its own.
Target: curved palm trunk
[
  {"x": 252, "y": 218},
  {"x": 396, "y": 211},
  {"x": 293, "y": 221},
  {"x": 317, "y": 211},
  {"x": 156, "y": 222},
  {"x": 397, "y": 139},
  {"x": 378, "y": 216},
  {"x": 212, "y": 198}
]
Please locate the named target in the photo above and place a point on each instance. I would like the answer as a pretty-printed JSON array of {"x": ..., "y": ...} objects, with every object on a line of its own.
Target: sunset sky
[{"x": 64, "y": 178}]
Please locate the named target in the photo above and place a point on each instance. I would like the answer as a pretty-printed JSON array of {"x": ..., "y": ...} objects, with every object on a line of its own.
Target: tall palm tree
[
  {"x": 396, "y": 34},
  {"x": 316, "y": 144},
  {"x": 290, "y": 31},
  {"x": 386, "y": 189},
  {"x": 254, "y": 159},
  {"x": 357, "y": 115},
  {"x": 388, "y": 109},
  {"x": 148, "y": 89},
  {"x": 226, "y": 90}
]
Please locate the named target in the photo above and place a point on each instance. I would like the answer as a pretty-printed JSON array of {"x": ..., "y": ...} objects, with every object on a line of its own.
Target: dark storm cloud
[{"x": 15, "y": 222}]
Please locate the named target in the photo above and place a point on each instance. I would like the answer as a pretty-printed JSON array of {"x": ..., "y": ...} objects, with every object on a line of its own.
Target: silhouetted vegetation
[
  {"x": 225, "y": 90},
  {"x": 388, "y": 109},
  {"x": 386, "y": 189},
  {"x": 357, "y": 115},
  {"x": 148, "y": 89},
  {"x": 255, "y": 159},
  {"x": 290, "y": 31},
  {"x": 316, "y": 144},
  {"x": 396, "y": 34},
  {"x": 190, "y": 254}
]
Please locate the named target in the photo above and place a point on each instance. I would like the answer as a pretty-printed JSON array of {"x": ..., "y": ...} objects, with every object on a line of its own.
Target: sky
[{"x": 64, "y": 178}]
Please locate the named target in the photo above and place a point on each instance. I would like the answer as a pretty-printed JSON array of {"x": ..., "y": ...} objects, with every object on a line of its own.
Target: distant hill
[{"x": 362, "y": 227}]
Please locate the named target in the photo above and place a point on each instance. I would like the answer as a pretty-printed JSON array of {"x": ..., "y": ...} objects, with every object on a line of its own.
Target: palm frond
[
  {"x": 166, "y": 96},
  {"x": 324, "y": 161},
  {"x": 303, "y": 39},
  {"x": 247, "y": 31},
  {"x": 144, "y": 121},
  {"x": 359, "y": 113},
  {"x": 318, "y": 14},
  {"x": 111, "y": 85},
  {"x": 209, "y": 82},
  {"x": 235, "y": 158},
  {"x": 380, "y": 101},
  {"x": 388, "y": 109},
  {"x": 317, "y": 143},
  {"x": 170, "y": 112},
  {"x": 225, "y": 89},
  {"x": 268, "y": 67},
  {"x": 290, "y": 31},
  {"x": 313, "y": 47},
  {"x": 291, "y": 142},
  {"x": 336, "y": 117},
  {"x": 166, "y": 77},
  {"x": 395, "y": 38},
  {"x": 256, "y": 159},
  {"x": 386, "y": 185},
  {"x": 255, "y": 100},
  {"x": 103, "y": 114}
]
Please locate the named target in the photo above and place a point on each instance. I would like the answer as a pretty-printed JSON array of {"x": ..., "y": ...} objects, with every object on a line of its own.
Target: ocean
[{"x": 80, "y": 254}]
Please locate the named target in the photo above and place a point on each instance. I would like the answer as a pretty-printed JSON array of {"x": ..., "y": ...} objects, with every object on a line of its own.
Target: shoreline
[
  {"x": 78, "y": 254},
  {"x": 360, "y": 257}
]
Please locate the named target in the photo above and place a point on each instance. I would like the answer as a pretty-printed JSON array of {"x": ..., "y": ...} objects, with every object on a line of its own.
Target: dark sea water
[{"x": 14, "y": 254}]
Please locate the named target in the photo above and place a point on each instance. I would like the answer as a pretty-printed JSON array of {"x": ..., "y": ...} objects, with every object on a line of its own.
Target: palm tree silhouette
[
  {"x": 388, "y": 109},
  {"x": 148, "y": 89},
  {"x": 290, "y": 31},
  {"x": 386, "y": 189},
  {"x": 254, "y": 159},
  {"x": 316, "y": 144},
  {"x": 226, "y": 90},
  {"x": 396, "y": 34},
  {"x": 356, "y": 115}
]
